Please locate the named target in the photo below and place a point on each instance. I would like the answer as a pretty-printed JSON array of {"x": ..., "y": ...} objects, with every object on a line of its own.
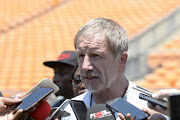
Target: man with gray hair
[{"x": 101, "y": 46}]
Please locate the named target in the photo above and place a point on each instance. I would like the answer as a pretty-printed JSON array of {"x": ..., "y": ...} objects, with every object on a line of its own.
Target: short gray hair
[{"x": 115, "y": 33}]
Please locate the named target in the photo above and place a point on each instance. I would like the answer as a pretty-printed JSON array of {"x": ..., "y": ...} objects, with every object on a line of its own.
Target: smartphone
[
  {"x": 79, "y": 108},
  {"x": 62, "y": 113},
  {"x": 153, "y": 101},
  {"x": 45, "y": 83},
  {"x": 124, "y": 107},
  {"x": 31, "y": 99},
  {"x": 60, "y": 109},
  {"x": 174, "y": 107}
]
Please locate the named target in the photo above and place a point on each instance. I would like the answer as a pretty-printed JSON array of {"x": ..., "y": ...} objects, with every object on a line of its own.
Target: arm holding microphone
[
  {"x": 165, "y": 93},
  {"x": 156, "y": 110},
  {"x": 39, "y": 111}
]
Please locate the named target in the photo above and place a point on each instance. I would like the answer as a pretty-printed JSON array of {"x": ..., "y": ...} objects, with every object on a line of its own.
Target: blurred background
[{"x": 34, "y": 31}]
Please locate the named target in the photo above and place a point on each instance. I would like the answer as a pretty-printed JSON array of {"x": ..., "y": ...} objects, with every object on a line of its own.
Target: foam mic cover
[
  {"x": 42, "y": 111},
  {"x": 99, "y": 112}
]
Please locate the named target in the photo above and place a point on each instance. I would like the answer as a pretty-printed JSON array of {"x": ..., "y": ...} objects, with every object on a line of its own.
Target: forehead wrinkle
[
  {"x": 91, "y": 47},
  {"x": 97, "y": 37},
  {"x": 91, "y": 43}
]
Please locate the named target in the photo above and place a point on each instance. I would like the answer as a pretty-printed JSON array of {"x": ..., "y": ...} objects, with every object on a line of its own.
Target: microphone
[
  {"x": 79, "y": 109},
  {"x": 99, "y": 112},
  {"x": 41, "y": 113}
]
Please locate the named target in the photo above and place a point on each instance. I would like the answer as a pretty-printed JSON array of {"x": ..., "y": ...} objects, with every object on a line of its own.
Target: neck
[{"x": 116, "y": 90}]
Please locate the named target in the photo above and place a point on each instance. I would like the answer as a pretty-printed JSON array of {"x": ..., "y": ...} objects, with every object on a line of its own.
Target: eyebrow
[{"x": 80, "y": 50}]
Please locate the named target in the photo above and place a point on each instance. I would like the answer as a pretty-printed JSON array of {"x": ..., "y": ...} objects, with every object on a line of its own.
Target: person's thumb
[{"x": 10, "y": 101}]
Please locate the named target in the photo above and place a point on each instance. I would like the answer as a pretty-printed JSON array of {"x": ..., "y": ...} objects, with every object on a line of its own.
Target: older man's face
[{"x": 99, "y": 68}]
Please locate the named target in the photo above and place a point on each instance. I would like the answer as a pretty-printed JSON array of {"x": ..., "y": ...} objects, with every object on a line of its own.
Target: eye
[
  {"x": 95, "y": 55},
  {"x": 81, "y": 55}
]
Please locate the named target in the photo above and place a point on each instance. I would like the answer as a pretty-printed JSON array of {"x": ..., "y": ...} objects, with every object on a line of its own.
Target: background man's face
[
  {"x": 79, "y": 89},
  {"x": 97, "y": 62},
  {"x": 62, "y": 76}
]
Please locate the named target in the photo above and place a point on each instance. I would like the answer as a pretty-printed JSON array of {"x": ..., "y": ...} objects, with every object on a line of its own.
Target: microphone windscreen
[
  {"x": 99, "y": 112},
  {"x": 42, "y": 111}
]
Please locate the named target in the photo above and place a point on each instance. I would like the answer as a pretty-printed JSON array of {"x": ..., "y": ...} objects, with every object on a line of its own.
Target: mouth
[{"x": 90, "y": 78}]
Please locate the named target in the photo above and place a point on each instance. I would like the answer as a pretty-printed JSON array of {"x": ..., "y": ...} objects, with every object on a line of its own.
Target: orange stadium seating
[
  {"x": 166, "y": 65},
  {"x": 33, "y": 31}
]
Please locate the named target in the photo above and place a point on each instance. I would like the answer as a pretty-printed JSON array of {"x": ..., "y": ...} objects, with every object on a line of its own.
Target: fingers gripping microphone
[
  {"x": 99, "y": 112},
  {"x": 42, "y": 111}
]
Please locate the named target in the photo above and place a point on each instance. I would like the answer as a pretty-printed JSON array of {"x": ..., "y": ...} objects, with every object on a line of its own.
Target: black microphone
[
  {"x": 99, "y": 112},
  {"x": 79, "y": 109}
]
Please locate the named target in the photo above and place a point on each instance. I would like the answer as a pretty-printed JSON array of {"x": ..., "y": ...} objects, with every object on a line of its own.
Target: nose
[{"x": 87, "y": 63}]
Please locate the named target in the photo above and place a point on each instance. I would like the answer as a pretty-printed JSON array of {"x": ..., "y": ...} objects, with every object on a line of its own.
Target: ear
[{"x": 123, "y": 59}]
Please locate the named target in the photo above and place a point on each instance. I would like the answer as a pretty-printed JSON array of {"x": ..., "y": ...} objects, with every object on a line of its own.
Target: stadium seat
[{"x": 33, "y": 31}]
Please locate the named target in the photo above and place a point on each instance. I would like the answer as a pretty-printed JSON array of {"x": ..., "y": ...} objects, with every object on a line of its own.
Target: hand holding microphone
[
  {"x": 13, "y": 109},
  {"x": 127, "y": 117},
  {"x": 163, "y": 94}
]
